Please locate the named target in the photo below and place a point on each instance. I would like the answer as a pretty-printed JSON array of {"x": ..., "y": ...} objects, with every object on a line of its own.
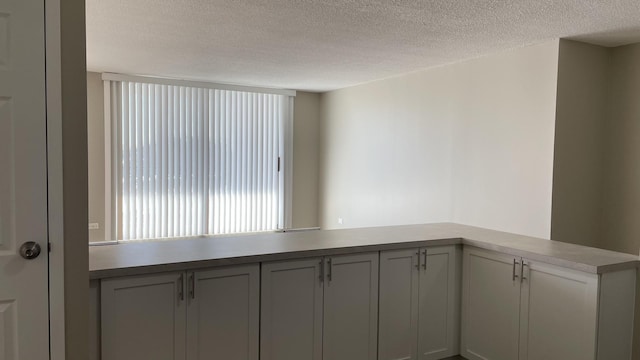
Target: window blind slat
[
  {"x": 182, "y": 164},
  {"x": 144, "y": 164},
  {"x": 194, "y": 161},
  {"x": 164, "y": 172}
]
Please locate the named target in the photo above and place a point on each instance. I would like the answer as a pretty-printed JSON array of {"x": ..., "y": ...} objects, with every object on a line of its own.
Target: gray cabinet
[
  {"x": 351, "y": 307},
  {"x": 439, "y": 304},
  {"x": 143, "y": 317},
  {"x": 399, "y": 294},
  {"x": 419, "y": 306},
  {"x": 491, "y": 306},
  {"x": 223, "y": 313},
  {"x": 320, "y": 308},
  {"x": 208, "y": 314},
  {"x": 291, "y": 310},
  {"x": 558, "y": 313},
  {"x": 516, "y": 308}
]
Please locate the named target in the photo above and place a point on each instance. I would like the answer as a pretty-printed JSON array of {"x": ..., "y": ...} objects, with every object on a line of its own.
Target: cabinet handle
[
  {"x": 514, "y": 277},
  {"x": 181, "y": 287},
  {"x": 321, "y": 271},
  {"x": 418, "y": 265},
  {"x": 424, "y": 263},
  {"x": 330, "y": 273},
  {"x": 192, "y": 285},
  {"x": 522, "y": 277}
]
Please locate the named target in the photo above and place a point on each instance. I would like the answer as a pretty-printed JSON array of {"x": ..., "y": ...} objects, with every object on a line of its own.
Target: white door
[
  {"x": 490, "y": 305},
  {"x": 291, "y": 310},
  {"x": 24, "y": 321},
  {"x": 223, "y": 313},
  {"x": 558, "y": 317},
  {"x": 439, "y": 314},
  {"x": 144, "y": 317},
  {"x": 398, "y": 319},
  {"x": 351, "y": 307}
]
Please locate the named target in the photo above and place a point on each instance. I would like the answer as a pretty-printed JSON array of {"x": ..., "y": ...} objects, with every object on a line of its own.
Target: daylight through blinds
[{"x": 193, "y": 161}]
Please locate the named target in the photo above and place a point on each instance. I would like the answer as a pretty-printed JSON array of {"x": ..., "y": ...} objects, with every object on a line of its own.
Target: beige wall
[
  {"x": 306, "y": 139},
  {"x": 306, "y": 148},
  {"x": 596, "y": 199},
  {"x": 621, "y": 192},
  {"x": 597, "y": 163},
  {"x": 470, "y": 142},
  {"x": 621, "y": 185},
  {"x": 597, "y": 169},
  {"x": 73, "y": 95},
  {"x": 95, "y": 139},
  {"x": 583, "y": 81}
]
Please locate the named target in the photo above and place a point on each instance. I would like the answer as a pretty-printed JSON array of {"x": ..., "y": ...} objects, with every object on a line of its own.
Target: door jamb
[{"x": 53, "y": 51}]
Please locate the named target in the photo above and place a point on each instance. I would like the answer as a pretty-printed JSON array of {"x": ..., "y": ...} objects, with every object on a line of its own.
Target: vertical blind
[{"x": 193, "y": 161}]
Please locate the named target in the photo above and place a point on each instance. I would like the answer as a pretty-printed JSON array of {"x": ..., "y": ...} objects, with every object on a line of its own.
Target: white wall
[
  {"x": 503, "y": 140},
  {"x": 386, "y": 152},
  {"x": 470, "y": 142}
]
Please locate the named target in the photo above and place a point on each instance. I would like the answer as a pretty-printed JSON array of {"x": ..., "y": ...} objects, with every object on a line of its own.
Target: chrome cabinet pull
[
  {"x": 424, "y": 263},
  {"x": 321, "y": 270},
  {"x": 522, "y": 277},
  {"x": 181, "y": 287},
  {"x": 192, "y": 285},
  {"x": 514, "y": 277},
  {"x": 330, "y": 273},
  {"x": 418, "y": 265}
]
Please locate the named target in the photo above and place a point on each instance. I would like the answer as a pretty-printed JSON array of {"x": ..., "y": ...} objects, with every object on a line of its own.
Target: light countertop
[{"x": 144, "y": 257}]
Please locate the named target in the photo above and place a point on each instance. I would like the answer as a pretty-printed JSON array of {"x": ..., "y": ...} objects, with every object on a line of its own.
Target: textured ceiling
[{"x": 325, "y": 45}]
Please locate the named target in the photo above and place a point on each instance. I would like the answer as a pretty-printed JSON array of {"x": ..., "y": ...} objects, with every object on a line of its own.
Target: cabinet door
[
  {"x": 143, "y": 317},
  {"x": 291, "y": 310},
  {"x": 398, "y": 315},
  {"x": 351, "y": 307},
  {"x": 559, "y": 310},
  {"x": 223, "y": 313},
  {"x": 438, "y": 334},
  {"x": 491, "y": 305}
]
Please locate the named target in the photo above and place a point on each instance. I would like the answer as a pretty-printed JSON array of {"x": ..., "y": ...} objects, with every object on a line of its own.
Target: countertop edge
[
  {"x": 108, "y": 264},
  {"x": 280, "y": 256},
  {"x": 592, "y": 269}
]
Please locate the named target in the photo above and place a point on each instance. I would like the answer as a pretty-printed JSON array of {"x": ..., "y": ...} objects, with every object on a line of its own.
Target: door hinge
[
  {"x": 278, "y": 163},
  {"x": 48, "y": 247}
]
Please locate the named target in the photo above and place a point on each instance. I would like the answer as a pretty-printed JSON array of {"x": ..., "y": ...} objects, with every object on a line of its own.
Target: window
[{"x": 192, "y": 159}]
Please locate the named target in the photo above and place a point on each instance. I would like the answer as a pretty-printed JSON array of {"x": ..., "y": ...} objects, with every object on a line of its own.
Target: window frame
[{"x": 111, "y": 174}]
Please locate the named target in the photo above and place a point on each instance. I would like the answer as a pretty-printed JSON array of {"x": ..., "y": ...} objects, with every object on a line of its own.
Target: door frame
[
  {"x": 54, "y": 180},
  {"x": 67, "y": 230}
]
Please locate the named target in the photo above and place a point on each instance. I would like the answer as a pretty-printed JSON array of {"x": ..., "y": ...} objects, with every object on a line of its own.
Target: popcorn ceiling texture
[{"x": 326, "y": 45}]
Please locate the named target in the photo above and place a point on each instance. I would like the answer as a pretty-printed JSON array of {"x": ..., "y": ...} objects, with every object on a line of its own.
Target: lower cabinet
[
  {"x": 491, "y": 306},
  {"x": 558, "y": 313},
  {"x": 291, "y": 310},
  {"x": 321, "y": 308},
  {"x": 144, "y": 318},
  {"x": 516, "y": 308},
  {"x": 392, "y": 305},
  {"x": 419, "y": 306},
  {"x": 210, "y": 314},
  {"x": 223, "y": 317}
]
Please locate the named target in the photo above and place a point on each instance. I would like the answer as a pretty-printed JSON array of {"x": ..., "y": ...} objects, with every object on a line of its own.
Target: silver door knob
[{"x": 30, "y": 250}]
